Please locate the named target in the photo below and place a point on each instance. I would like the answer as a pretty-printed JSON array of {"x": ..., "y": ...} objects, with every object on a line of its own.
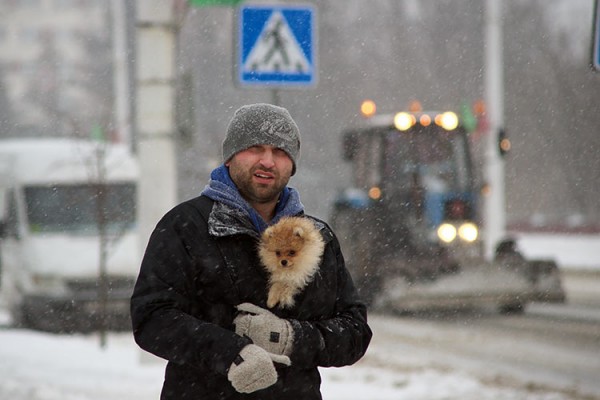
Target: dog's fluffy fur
[{"x": 291, "y": 251}]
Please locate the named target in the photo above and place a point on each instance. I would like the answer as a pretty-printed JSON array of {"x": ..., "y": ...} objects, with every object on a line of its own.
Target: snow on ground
[{"x": 41, "y": 366}]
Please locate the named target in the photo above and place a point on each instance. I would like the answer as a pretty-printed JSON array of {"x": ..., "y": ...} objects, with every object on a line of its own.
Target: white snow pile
[
  {"x": 41, "y": 366},
  {"x": 569, "y": 251}
]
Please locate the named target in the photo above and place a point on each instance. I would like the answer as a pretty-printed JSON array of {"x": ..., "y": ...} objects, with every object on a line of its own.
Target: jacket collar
[{"x": 226, "y": 221}]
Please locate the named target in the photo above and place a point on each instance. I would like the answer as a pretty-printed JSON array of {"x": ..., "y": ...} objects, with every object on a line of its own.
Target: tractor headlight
[
  {"x": 468, "y": 232},
  {"x": 446, "y": 233},
  {"x": 404, "y": 121}
]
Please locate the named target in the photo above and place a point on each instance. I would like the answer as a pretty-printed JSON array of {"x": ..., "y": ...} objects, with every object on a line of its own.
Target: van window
[{"x": 80, "y": 208}]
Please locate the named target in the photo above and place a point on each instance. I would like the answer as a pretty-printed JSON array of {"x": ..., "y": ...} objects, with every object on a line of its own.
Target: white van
[{"x": 69, "y": 250}]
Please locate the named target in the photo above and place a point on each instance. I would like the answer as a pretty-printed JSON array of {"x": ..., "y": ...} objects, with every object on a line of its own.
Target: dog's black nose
[{"x": 284, "y": 262}]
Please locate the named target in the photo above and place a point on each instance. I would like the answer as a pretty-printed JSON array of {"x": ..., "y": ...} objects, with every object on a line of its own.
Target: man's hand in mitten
[
  {"x": 253, "y": 369},
  {"x": 266, "y": 330}
]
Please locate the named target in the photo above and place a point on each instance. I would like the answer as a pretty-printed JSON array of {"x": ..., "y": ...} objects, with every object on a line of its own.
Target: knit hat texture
[{"x": 262, "y": 124}]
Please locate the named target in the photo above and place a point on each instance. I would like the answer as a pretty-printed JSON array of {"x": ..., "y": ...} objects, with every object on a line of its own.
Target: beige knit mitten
[
  {"x": 266, "y": 330},
  {"x": 253, "y": 369}
]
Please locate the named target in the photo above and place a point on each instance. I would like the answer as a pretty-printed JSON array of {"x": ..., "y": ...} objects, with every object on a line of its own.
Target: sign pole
[
  {"x": 275, "y": 99},
  {"x": 494, "y": 210}
]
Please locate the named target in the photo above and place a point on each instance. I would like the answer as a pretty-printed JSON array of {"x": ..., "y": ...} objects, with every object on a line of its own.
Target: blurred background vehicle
[
  {"x": 411, "y": 225},
  {"x": 68, "y": 238}
]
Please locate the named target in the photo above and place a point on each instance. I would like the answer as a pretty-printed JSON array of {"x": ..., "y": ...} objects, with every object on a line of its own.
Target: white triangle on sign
[{"x": 277, "y": 50}]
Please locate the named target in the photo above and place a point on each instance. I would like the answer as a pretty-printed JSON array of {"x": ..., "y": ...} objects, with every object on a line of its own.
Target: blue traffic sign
[{"x": 276, "y": 46}]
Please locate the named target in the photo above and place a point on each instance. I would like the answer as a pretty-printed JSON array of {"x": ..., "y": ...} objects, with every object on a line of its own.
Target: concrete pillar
[{"x": 155, "y": 111}]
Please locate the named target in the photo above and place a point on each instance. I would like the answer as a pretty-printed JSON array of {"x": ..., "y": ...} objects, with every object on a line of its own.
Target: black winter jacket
[{"x": 201, "y": 262}]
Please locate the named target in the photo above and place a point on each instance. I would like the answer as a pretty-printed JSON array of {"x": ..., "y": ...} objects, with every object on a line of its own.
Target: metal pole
[
  {"x": 275, "y": 99},
  {"x": 494, "y": 213},
  {"x": 122, "y": 107},
  {"x": 100, "y": 188}
]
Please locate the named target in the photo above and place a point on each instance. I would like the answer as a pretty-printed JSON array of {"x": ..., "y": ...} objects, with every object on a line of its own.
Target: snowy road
[
  {"x": 533, "y": 352},
  {"x": 552, "y": 349}
]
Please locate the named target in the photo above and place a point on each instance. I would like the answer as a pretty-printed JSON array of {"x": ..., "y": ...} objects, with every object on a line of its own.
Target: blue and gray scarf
[{"x": 222, "y": 189}]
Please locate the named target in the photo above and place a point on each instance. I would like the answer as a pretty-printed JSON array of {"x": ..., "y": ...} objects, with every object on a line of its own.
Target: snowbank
[
  {"x": 569, "y": 251},
  {"x": 41, "y": 366}
]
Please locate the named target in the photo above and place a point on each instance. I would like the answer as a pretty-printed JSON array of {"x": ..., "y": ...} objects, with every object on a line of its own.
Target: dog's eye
[
  {"x": 278, "y": 253},
  {"x": 292, "y": 253}
]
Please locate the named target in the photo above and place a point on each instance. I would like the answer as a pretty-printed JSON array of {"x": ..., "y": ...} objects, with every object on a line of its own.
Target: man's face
[{"x": 260, "y": 173}]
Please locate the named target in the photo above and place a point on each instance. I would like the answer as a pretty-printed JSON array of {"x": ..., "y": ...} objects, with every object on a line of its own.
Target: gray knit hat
[{"x": 257, "y": 124}]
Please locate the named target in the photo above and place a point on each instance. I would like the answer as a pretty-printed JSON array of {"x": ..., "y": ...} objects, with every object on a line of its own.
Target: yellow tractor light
[
  {"x": 404, "y": 121},
  {"x": 425, "y": 120},
  {"x": 375, "y": 193},
  {"x": 447, "y": 120},
  {"x": 368, "y": 108}
]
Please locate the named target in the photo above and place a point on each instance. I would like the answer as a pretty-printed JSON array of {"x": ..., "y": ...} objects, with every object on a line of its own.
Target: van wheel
[
  {"x": 512, "y": 308},
  {"x": 20, "y": 318}
]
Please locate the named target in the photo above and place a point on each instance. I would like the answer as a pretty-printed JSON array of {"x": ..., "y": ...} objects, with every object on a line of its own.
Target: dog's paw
[
  {"x": 272, "y": 301},
  {"x": 287, "y": 302}
]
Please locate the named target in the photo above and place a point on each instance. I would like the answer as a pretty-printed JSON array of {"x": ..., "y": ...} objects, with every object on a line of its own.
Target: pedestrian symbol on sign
[{"x": 276, "y": 46}]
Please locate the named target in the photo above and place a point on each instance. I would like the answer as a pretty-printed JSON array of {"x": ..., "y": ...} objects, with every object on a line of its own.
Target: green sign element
[{"x": 469, "y": 121}]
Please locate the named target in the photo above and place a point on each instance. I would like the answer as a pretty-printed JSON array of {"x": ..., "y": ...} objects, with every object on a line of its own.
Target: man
[{"x": 201, "y": 264}]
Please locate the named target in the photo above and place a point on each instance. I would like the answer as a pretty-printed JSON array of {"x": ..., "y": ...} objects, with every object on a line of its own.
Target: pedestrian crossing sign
[{"x": 276, "y": 46}]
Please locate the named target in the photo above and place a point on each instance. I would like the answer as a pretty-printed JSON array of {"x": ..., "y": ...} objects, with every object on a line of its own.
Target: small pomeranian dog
[{"x": 290, "y": 250}]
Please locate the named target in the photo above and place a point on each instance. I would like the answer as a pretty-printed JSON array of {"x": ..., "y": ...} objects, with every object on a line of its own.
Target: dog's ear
[
  {"x": 268, "y": 232},
  {"x": 298, "y": 231}
]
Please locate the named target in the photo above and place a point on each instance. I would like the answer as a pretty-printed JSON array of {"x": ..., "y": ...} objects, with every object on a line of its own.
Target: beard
[{"x": 255, "y": 192}]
